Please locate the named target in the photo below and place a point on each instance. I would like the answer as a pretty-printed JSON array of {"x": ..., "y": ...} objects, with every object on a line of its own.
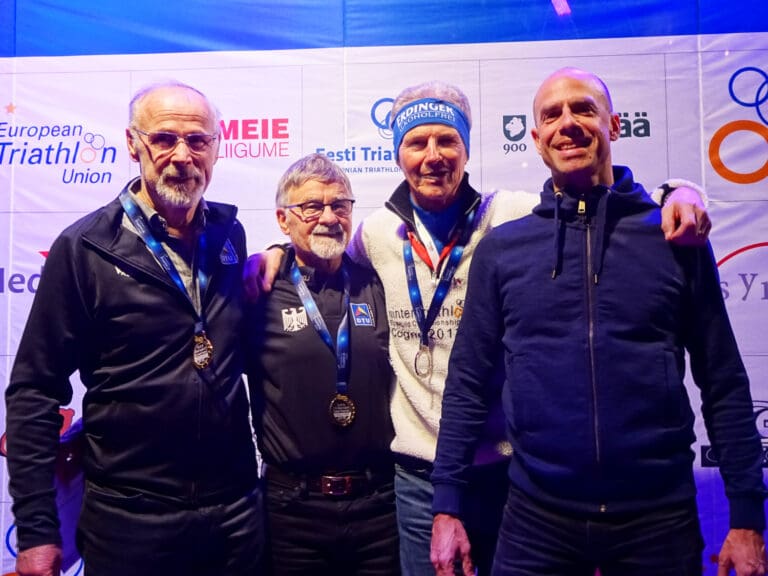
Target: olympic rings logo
[{"x": 761, "y": 97}]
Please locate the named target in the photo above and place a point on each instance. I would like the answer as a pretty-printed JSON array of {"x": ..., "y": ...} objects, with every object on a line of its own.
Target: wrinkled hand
[
  {"x": 260, "y": 271},
  {"x": 744, "y": 551},
  {"x": 43, "y": 560},
  {"x": 449, "y": 543},
  {"x": 684, "y": 219}
]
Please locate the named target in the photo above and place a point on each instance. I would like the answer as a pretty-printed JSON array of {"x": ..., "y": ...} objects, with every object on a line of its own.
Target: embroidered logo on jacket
[
  {"x": 361, "y": 314},
  {"x": 228, "y": 254},
  {"x": 294, "y": 319}
]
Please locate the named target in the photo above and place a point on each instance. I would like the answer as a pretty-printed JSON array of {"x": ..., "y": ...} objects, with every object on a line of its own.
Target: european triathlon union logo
[{"x": 361, "y": 314}]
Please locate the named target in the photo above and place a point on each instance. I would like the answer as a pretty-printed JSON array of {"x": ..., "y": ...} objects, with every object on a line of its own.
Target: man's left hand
[
  {"x": 449, "y": 546},
  {"x": 684, "y": 218},
  {"x": 744, "y": 551}
]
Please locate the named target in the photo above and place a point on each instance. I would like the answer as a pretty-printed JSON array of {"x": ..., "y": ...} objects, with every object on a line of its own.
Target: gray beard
[
  {"x": 176, "y": 196},
  {"x": 327, "y": 247}
]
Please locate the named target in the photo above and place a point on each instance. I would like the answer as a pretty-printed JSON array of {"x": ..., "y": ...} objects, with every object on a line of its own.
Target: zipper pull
[{"x": 582, "y": 208}]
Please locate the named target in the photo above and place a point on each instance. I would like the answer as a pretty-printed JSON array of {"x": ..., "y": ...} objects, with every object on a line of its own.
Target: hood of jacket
[{"x": 595, "y": 208}]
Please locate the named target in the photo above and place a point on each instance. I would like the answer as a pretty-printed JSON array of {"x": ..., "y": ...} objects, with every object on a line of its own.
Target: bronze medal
[
  {"x": 422, "y": 364},
  {"x": 202, "y": 351},
  {"x": 342, "y": 410}
]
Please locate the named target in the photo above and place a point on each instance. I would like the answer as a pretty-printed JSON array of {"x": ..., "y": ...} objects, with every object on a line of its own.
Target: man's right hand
[
  {"x": 260, "y": 271},
  {"x": 43, "y": 560},
  {"x": 449, "y": 544}
]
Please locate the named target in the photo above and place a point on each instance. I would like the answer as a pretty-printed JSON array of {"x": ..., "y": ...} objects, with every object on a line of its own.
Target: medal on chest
[
  {"x": 202, "y": 351},
  {"x": 422, "y": 363},
  {"x": 342, "y": 410}
]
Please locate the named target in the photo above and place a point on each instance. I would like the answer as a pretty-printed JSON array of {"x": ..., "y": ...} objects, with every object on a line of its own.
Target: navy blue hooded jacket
[{"x": 593, "y": 311}]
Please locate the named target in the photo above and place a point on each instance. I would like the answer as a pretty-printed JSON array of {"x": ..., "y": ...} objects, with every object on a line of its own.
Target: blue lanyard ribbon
[
  {"x": 341, "y": 349},
  {"x": 425, "y": 323},
  {"x": 139, "y": 222}
]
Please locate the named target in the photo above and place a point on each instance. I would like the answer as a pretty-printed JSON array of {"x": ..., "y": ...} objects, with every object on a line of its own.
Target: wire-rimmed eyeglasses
[
  {"x": 313, "y": 209},
  {"x": 166, "y": 141}
]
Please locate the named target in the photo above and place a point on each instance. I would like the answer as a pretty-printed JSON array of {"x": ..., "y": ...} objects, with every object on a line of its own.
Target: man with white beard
[
  {"x": 144, "y": 298},
  {"x": 320, "y": 383}
]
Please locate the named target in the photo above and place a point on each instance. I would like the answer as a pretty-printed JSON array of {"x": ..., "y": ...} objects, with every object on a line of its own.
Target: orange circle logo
[{"x": 717, "y": 161}]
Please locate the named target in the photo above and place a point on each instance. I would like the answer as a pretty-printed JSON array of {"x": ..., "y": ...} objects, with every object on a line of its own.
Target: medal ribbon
[
  {"x": 428, "y": 242},
  {"x": 425, "y": 323},
  {"x": 139, "y": 222},
  {"x": 341, "y": 349}
]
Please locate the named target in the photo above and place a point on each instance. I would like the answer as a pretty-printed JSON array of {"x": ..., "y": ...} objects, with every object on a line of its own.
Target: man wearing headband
[{"x": 421, "y": 245}]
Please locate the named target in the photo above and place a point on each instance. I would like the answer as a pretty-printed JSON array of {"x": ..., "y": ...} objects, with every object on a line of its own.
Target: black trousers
[
  {"x": 536, "y": 540},
  {"x": 310, "y": 533},
  {"x": 128, "y": 535}
]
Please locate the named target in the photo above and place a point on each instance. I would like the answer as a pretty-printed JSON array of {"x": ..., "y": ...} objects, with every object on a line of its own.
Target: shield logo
[{"x": 514, "y": 127}]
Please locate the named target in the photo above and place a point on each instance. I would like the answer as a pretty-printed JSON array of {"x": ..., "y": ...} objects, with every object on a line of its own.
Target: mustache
[
  {"x": 181, "y": 173},
  {"x": 322, "y": 229}
]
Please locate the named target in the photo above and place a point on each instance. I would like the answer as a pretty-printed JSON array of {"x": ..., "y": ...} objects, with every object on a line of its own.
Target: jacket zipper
[{"x": 582, "y": 212}]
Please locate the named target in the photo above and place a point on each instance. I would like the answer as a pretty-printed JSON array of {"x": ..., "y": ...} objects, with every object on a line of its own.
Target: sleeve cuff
[
  {"x": 447, "y": 499},
  {"x": 659, "y": 195},
  {"x": 747, "y": 513}
]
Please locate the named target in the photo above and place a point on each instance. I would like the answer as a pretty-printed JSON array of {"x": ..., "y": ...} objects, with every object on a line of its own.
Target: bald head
[
  {"x": 575, "y": 126},
  {"x": 576, "y": 74}
]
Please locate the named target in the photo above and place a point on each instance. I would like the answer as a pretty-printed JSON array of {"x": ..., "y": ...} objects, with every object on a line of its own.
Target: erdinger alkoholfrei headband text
[{"x": 429, "y": 111}]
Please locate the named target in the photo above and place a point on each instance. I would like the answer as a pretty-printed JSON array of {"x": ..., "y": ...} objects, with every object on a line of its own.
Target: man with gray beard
[
  {"x": 320, "y": 383},
  {"x": 144, "y": 298}
]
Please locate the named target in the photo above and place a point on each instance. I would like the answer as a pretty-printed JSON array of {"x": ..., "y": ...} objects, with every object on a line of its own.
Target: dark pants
[
  {"x": 310, "y": 533},
  {"x": 126, "y": 536},
  {"x": 488, "y": 490},
  {"x": 537, "y": 541}
]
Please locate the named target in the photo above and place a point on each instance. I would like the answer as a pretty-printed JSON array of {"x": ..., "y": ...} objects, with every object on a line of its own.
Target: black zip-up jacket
[
  {"x": 153, "y": 423},
  {"x": 293, "y": 373}
]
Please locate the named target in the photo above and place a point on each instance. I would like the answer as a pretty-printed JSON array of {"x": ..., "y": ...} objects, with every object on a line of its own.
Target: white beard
[
  {"x": 176, "y": 196},
  {"x": 327, "y": 247}
]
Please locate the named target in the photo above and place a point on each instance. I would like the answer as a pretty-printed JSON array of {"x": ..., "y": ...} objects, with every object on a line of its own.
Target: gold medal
[
  {"x": 422, "y": 364},
  {"x": 202, "y": 351},
  {"x": 342, "y": 410}
]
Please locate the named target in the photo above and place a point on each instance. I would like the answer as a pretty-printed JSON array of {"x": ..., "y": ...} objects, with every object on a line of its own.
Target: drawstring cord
[
  {"x": 598, "y": 241},
  {"x": 557, "y": 254}
]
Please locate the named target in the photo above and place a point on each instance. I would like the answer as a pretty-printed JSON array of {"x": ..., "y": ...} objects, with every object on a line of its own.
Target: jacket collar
[
  {"x": 624, "y": 189},
  {"x": 315, "y": 280},
  {"x": 108, "y": 235}
]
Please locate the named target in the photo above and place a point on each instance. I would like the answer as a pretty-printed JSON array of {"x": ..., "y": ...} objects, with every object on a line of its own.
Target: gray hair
[
  {"x": 311, "y": 167},
  {"x": 137, "y": 99},
  {"x": 433, "y": 89}
]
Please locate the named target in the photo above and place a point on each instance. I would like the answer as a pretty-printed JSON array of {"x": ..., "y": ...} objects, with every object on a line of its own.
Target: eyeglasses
[
  {"x": 313, "y": 209},
  {"x": 166, "y": 141}
]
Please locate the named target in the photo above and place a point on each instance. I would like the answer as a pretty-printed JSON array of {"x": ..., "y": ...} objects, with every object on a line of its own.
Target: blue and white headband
[{"x": 429, "y": 111}]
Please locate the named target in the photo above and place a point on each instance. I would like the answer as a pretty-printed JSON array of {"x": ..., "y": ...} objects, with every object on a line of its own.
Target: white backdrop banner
[{"x": 693, "y": 107}]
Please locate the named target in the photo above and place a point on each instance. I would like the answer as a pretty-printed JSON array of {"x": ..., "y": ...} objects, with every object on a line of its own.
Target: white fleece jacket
[{"x": 417, "y": 401}]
